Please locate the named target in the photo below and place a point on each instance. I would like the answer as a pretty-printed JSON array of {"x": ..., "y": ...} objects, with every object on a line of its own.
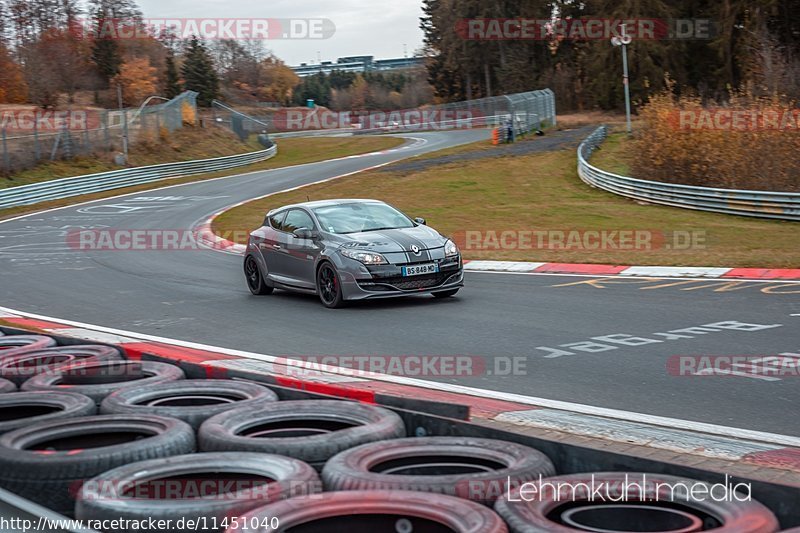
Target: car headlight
[
  {"x": 450, "y": 249},
  {"x": 368, "y": 258}
]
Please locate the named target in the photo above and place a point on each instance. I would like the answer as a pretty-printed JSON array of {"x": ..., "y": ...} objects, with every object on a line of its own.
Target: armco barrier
[
  {"x": 115, "y": 179},
  {"x": 763, "y": 204}
]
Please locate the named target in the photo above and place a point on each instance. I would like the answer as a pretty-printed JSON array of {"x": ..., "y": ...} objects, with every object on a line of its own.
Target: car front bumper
[{"x": 387, "y": 281}]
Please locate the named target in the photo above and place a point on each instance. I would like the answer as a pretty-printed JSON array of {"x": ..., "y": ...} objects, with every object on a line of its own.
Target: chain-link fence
[
  {"x": 241, "y": 124},
  {"x": 524, "y": 112},
  {"x": 29, "y": 136}
]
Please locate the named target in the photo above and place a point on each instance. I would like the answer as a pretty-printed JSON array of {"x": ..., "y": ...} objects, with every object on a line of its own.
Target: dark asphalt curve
[{"x": 543, "y": 324}]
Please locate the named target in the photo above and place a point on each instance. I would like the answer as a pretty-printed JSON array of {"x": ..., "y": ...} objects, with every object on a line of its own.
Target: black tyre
[
  {"x": 310, "y": 430},
  {"x": 7, "y": 386},
  {"x": 255, "y": 281},
  {"x": 23, "y": 366},
  {"x": 197, "y": 487},
  {"x": 470, "y": 468},
  {"x": 329, "y": 286},
  {"x": 372, "y": 511},
  {"x": 48, "y": 461},
  {"x": 99, "y": 379},
  {"x": 445, "y": 294},
  {"x": 17, "y": 344},
  {"x": 25, "y": 408},
  {"x": 554, "y": 512},
  {"x": 192, "y": 401}
]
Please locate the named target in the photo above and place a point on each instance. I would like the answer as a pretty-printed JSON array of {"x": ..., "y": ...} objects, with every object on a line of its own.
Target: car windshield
[{"x": 357, "y": 217}]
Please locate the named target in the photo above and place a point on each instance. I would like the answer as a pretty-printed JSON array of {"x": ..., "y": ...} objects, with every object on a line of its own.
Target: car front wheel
[
  {"x": 255, "y": 281},
  {"x": 329, "y": 287}
]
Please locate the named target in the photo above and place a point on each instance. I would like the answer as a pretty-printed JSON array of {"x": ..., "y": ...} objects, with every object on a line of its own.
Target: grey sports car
[{"x": 350, "y": 250}]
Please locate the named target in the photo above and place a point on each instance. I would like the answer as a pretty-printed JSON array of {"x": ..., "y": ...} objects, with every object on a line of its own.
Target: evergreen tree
[
  {"x": 172, "y": 84},
  {"x": 106, "y": 53},
  {"x": 199, "y": 74}
]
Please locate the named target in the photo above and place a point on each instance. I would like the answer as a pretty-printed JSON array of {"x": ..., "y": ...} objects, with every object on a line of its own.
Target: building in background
[{"x": 358, "y": 64}]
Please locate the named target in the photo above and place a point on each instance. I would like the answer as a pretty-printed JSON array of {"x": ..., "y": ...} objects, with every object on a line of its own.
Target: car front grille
[{"x": 407, "y": 283}]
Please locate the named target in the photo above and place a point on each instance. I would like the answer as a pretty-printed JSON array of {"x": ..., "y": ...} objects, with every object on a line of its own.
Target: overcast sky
[{"x": 363, "y": 27}]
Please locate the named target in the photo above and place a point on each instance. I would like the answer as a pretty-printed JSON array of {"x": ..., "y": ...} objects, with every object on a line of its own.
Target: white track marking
[{"x": 686, "y": 425}]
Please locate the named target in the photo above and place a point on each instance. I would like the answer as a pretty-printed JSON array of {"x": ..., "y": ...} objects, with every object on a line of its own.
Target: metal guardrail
[
  {"x": 115, "y": 179},
  {"x": 762, "y": 204}
]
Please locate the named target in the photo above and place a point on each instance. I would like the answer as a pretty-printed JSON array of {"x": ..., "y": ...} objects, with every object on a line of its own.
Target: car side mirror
[
  {"x": 419, "y": 220},
  {"x": 303, "y": 233}
]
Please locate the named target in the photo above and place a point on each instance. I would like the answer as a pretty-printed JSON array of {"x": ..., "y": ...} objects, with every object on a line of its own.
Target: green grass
[
  {"x": 295, "y": 151},
  {"x": 614, "y": 155},
  {"x": 543, "y": 192}
]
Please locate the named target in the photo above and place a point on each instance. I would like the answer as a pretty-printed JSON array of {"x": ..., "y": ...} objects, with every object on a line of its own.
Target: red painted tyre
[
  {"x": 371, "y": 511},
  {"x": 7, "y": 386},
  {"x": 472, "y": 468},
  {"x": 23, "y": 366},
  {"x": 17, "y": 344},
  {"x": 654, "y": 502},
  {"x": 98, "y": 379}
]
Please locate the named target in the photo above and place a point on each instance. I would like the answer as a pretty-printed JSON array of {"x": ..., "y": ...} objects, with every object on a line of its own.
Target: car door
[
  {"x": 296, "y": 256},
  {"x": 268, "y": 240}
]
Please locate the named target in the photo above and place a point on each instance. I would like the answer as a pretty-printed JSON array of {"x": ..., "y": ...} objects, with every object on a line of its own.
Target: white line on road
[{"x": 687, "y": 425}]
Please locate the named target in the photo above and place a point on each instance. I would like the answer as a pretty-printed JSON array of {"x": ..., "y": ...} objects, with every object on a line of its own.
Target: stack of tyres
[{"x": 238, "y": 460}]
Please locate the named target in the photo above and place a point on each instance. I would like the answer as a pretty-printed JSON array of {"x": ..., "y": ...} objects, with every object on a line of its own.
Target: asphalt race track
[{"x": 545, "y": 324}]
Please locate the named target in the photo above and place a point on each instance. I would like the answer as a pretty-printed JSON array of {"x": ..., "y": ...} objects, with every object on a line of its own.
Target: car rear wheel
[
  {"x": 445, "y": 294},
  {"x": 329, "y": 287},
  {"x": 255, "y": 281}
]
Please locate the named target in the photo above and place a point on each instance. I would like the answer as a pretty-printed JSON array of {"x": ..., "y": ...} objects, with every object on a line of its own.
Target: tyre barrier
[
  {"x": 23, "y": 366},
  {"x": 210, "y": 487},
  {"x": 47, "y": 462},
  {"x": 7, "y": 386},
  {"x": 98, "y": 379},
  {"x": 373, "y": 511},
  {"x": 372, "y": 477},
  {"x": 310, "y": 430},
  {"x": 192, "y": 401},
  {"x": 647, "y": 507},
  {"x": 476, "y": 469},
  {"x": 25, "y": 408},
  {"x": 16, "y": 344}
]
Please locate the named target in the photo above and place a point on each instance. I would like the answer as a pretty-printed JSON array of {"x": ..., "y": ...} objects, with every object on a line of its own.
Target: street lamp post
[{"x": 624, "y": 40}]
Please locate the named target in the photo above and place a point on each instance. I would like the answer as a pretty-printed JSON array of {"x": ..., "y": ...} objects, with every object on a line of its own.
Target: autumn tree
[
  {"x": 137, "y": 79},
  {"x": 13, "y": 89},
  {"x": 278, "y": 81},
  {"x": 57, "y": 63}
]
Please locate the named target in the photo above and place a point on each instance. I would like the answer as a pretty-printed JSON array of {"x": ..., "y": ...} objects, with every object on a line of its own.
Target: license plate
[{"x": 416, "y": 270}]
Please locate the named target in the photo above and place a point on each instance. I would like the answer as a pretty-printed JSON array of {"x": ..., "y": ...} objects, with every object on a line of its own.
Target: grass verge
[
  {"x": 296, "y": 151},
  {"x": 542, "y": 192}
]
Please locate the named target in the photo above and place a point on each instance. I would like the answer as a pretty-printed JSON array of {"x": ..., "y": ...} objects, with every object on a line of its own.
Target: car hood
[{"x": 394, "y": 240}]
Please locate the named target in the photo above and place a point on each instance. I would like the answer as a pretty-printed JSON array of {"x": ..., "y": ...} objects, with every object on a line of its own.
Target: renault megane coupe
[{"x": 350, "y": 250}]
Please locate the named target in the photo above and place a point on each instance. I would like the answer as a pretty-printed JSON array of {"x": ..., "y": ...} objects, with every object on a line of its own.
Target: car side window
[
  {"x": 276, "y": 220},
  {"x": 297, "y": 219}
]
